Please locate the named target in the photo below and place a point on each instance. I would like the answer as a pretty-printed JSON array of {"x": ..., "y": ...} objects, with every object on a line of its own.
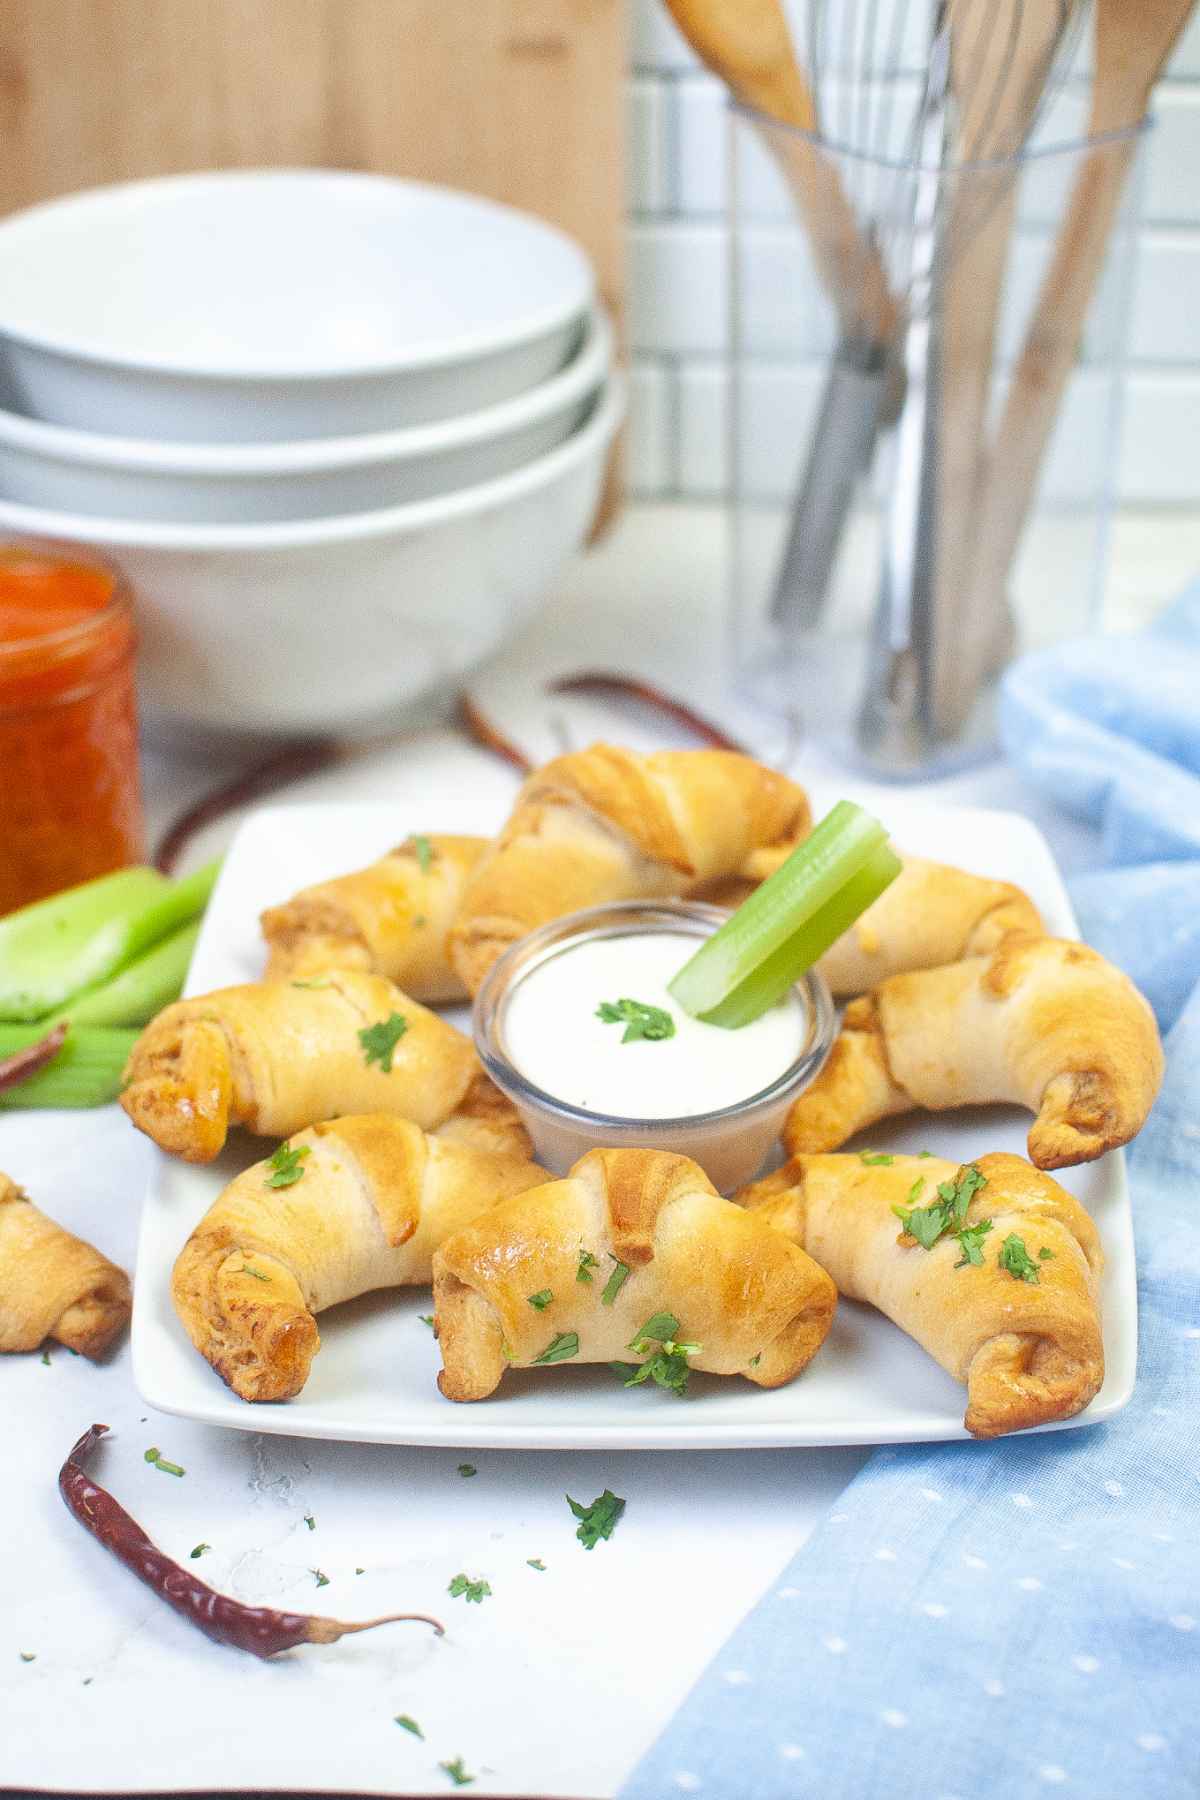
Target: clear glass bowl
[{"x": 730, "y": 1144}]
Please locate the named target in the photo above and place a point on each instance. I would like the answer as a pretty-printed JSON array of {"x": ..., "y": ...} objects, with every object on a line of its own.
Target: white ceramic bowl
[
  {"x": 205, "y": 484},
  {"x": 338, "y": 624},
  {"x": 262, "y": 305}
]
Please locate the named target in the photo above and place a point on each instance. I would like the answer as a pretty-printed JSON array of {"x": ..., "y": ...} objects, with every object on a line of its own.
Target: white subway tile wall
[{"x": 678, "y": 300}]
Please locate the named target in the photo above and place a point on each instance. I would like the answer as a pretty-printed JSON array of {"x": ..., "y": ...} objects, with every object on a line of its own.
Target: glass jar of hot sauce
[{"x": 70, "y": 795}]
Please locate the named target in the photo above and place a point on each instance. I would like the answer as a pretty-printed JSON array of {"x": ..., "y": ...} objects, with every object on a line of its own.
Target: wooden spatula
[
  {"x": 748, "y": 45},
  {"x": 1133, "y": 40}
]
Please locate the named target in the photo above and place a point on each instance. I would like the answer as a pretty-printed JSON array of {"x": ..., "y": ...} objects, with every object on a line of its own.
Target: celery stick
[
  {"x": 141, "y": 989},
  {"x": 835, "y": 851},
  {"x": 54, "y": 948},
  {"x": 772, "y": 979},
  {"x": 86, "y": 1072}
]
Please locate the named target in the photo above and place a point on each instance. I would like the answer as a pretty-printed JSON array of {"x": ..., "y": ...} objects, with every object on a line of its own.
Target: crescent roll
[
  {"x": 538, "y": 1278},
  {"x": 54, "y": 1285},
  {"x": 276, "y": 1056},
  {"x": 390, "y": 918},
  {"x": 1020, "y": 1326},
  {"x": 608, "y": 824},
  {"x": 366, "y": 1202},
  {"x": 1041, "y": 1022}
]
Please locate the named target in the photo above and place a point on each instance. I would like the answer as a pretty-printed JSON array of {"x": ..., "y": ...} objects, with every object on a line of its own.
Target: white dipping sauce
[{"x": 552, "y": 1034}]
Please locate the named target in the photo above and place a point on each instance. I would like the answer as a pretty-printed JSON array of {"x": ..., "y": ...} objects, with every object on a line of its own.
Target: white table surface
[{"x": 557, "y": 1683}]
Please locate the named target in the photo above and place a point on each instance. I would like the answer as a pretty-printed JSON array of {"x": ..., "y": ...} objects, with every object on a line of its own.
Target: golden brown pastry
[
  {"x": 54, "y": 1285},
  {"x": 608, "y": 824},
  {"x": 390, "y": 918},
  {"x": 276, "y": 1056},
  {"x": 1041, "y": 1022},
  {"x": 1020, "y": 1326},
  {"x": 931, "y": 914},
  {"x": 366, "y": 1202},
  {"x": 752, "y": 1303}
]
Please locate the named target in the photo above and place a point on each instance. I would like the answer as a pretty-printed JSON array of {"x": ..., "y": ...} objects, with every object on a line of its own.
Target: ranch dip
[{"x": 555, "y": 1038}]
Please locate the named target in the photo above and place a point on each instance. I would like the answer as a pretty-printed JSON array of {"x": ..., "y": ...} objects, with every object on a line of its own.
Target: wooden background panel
[{"x": 518, "y": 99}]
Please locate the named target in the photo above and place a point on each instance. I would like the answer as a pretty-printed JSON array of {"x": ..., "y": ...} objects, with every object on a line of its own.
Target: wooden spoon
[
  {"x": 748, "y": 45},
  {"x": 1133, "y": 40}
]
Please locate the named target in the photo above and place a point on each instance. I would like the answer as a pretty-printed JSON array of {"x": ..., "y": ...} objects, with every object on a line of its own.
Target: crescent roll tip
[{"x": 54, "y": 1284}]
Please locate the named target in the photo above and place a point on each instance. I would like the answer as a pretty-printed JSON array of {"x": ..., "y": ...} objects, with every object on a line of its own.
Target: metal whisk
[{"x": 926, "y": 108}]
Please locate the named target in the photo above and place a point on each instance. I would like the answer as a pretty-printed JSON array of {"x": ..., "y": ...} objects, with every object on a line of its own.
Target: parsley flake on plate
[
  {"x": 322, "y": 1578},
  {"x": 46, "y": 1357},
  {"x": 587, "y": 1262},
  {"x": 426, "y": 1319},
  {"x": 286, "y": 1166},
  {"x": 466, "y": 1470},
  {"x": 457, "y": 1771},
  {"x": 597, "y": 1520},
  {"x": 640, "y": 1021},
  {"x": 199, "y": 1551},
  {"x": 615, "y": 1282},
  {"x": 1016, "y": 1259},
  {"x": 379, "y": 1040},
  {"x": 535, "y": 1562},
  {"x": 310, "y": 1521},
  {"x": 409, "y": 1724},
  {"x": 560, "y": 1348},
  {"x": 155, "y": 1456},
  {"x": 541, "y": 1300},
  {"x": 468, "y": 1589}
]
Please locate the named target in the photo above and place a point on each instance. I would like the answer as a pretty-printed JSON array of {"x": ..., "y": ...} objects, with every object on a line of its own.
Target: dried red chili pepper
[
  {"x": 601, "y": 681},
  {"x": 261, "y": 1630},
  {"x": 292, "y": 763},
  {"x": 479, "y": 728},
  {"x": 24, "y": 1063}
]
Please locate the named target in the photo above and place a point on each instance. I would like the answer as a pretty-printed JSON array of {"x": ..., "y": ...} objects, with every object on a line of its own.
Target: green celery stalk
[
  {"x": 74, "y": 940},
  {"x": 139, "y": 990},
  {"x": 86, "y": 1072},
  {"x": 772, "y": 978},
  {"x": 810, "y": 878}
]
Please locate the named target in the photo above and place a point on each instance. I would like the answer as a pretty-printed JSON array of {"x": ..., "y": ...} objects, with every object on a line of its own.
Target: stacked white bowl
[{"x": 340, "y": 431}]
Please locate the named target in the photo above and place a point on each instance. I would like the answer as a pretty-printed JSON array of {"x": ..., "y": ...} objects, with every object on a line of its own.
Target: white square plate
[{"x": 374, "y": 1379}]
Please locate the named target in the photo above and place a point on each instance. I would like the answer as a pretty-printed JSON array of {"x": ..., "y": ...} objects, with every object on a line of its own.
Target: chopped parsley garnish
[
  {"x": 667, "y": 1365},
  {"x": 426, "y": 1319},
  {"x": 1016, "y": 1259},
  {"x": 970, "y": 1242},
  {"x": 755, "y": 1360},
  {"x": 587, "y": 1262},
  {"x": 199, "y": 1551},
  {"x": 1045, "y": 1255},
  {"x": 535, "y": 1562},
  {"x": 285, "y": 1166},
  {"x": 155, "y": 1456},
  {"x": 310, "y": 984},
  {"x": 409, "y": 1724},
  {"x": 46, "y": 1357},
  {"x": 379, "y": 1041},
  {"x": 541, "y": 1300},
  {"x": 948, "y": 1214},
  {"x": 876, "y": 1159},
  {"x": 467, "y": 1469},
  {"x": 597, "y": 1520},
  {"x": 560, "y": 1348},
  {"x": 639, "y": 1020},
  {"x": 310, "y": 1521},
  {"x": 470, "y": 1590},
  {"x": 322, "y": 1578},
  {"x": 615, "y": 1282},
  {"x": 249, "y": 1269},
  {"x": 419, "y": 920},
  {"x": 457, "y": 1771},
  {"x": 424, "y": 852}
]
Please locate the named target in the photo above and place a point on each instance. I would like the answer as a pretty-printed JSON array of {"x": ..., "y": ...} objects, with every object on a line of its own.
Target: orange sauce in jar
[{"x": 70, "y": 796}]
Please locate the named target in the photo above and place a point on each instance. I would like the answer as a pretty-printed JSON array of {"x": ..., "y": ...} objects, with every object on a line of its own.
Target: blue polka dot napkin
[{"x": 990, "y": 1621}]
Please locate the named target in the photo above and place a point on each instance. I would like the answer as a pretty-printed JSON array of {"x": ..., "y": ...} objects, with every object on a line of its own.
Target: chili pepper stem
[{"x": 328, "y": 1631}]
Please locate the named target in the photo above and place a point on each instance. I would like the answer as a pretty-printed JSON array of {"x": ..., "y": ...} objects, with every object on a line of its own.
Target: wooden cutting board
[{"x": 517, "y": 99}]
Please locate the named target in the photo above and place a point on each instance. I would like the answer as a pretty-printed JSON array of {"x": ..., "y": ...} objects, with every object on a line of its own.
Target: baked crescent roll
[
  {"x": 1020, "y": 1326},
  {"x": 54, "y": 1285},
  {"x": 366, "y": 1201},
  {"x": 537, "y": 1279},
  {"x": 608, "y": 824},
  {"x": 1041, "y": 1022},
  {"x": 390, "y": 918},
  {"x": 931, "y": 914},
  {"x": 276, "y": 1056}
]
